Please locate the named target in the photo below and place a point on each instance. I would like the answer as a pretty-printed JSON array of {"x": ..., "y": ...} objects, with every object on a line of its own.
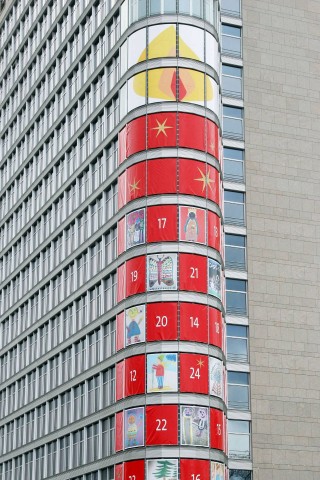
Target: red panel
[
  {"x": 135, "y": 375},
  {"x": 213, "y": 139},
  {"x": 119, "y": 380},
  {"x": 122, "y": 141},
  {"x": 135, "y": 276},
  {"x": 136, "y": 181},
  {"x": 193, "y": 272},
  {"x": 194, "y": 179},
  {"x": 216, "y": 429},
  {"x": 122, "y": 190},
  {"x": 121, "y": 236},
  {"x": 192, "y": 224},
  {"x": 136, "y": 136},
  {"x": 214, "y": 231},
  {"x": 162, "y": 130},
  {"x": 194, "y": 373},
  {"x": 162, "y": 223},
  {"x": 162, "y": 425},
  {"x": 119, "y": 431},
  {"x": 118, "y": 472},
  {"x": 157, "y": 182},
  {"x": 194, "y": 322},
  {"x": 191, "y": 469},
  {"x": 214, "y": 186},
  {"x": 121, "y": 282},
  {"x": 215, "y": 327},
  {"x": 134, "y": 470},
  {"x": 162, "y": 321},
  {"x": 120, "y": 331},
  {"x": 192, "y": 131}
]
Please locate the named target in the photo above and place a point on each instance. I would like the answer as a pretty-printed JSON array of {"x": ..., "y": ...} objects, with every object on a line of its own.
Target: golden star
[
  {"x": 200, "y": 363},
  {"x": 134, "y": 186},
  {"x": 161, "y": 127},
  {"x": 205, "y": 179}
]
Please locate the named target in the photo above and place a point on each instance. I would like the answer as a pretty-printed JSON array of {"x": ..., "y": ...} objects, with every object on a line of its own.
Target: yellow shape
[
  {"x": 139, "y": 84},
  {"x": 161, "y": 128},
  {"x": 134, "y": 186},
  {"x": 164, "y": 45},
  {"x": 205, "y": 179},
  {"x": 200, "y": 363}
]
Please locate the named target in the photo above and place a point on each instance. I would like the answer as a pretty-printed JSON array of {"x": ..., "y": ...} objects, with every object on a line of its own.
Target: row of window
[
  {"x": 85, "y": 225},
  {"x": 28, "y": 350},
  {"x": 70, "y": 87},
  {"x": 84, "y": 399},
  {"x": 101, "y": 298},
  {"x": 70, "y": 362},
  {"x": 81, "y": 447},
  {"x": 48, "y": 48},
  {"x": 92, "y": 177},
  {"x": 133, "y": 10}
]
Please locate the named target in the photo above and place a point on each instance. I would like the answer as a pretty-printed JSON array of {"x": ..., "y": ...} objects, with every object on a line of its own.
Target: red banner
[
  {"x": 214, "y": 231},
  {"x": 136, "y": 181},
  {"x": 162, "y": 223},
  {"x": 162, "y": 176},
  {"x": 216, "y": 327},
  {"x": 122, "y": 190},
  {"x": 121, "y": 236},
  {"x": 121, "y": 282},
  {"x": 213, "y": 190},
  {"x": 198, "y": 178},
  {"x": 134, "y": 470},
  {"x": 162, "y": 321},
  {"x": 191, "y": 469},
  {"x": 136, "y": 136},
  {"x": 193, "y": 272},
  {"x": 119, "y": 431},
  {"x": 135, "y": 375},
  {"x": 217, "y": 429},
  {"x": 194, "y": 373},
  {"x": 118, "y": 471},
  {"x": 135, "y": 276},
  {"x": 122, "y": 141},
  {"x": 162, "y": 425},
  {"x": 194, "y": 322},
  {"x": 192, "y": 131},
  {"x": 120, "y": 380},
  {"x": 120, "y": 331},
  {"x": 213, "y": 138},
  {"x": 162, "y": 130}
]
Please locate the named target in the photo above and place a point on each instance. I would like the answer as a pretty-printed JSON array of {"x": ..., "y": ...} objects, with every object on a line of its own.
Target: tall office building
[{"x": 130, "y": 291}]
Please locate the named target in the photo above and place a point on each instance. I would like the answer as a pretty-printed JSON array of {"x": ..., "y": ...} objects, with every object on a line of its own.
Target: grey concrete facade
[{"x": 281, "y": 44}]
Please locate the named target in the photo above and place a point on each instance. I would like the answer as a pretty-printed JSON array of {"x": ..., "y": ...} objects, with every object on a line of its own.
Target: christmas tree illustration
[{"x": 165, "y": 469}]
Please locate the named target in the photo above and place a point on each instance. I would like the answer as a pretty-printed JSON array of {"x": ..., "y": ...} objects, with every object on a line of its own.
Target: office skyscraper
[{"x": 158, "y": 210}]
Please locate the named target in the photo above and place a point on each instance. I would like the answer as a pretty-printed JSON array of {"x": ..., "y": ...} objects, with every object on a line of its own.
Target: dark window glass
[
  {"x": 237, "y": 343},
  {"x": 240, "y": 475},
  {"x": 238, "y": 390},
  {"x": 239, "y": 439},
  {"x": 233, "y": 164},
  {"x": 235, "y": 251},
  {"x": 236, "y": 296},
  {"x": 231, "y": 7},
  {"x": 231, "y": 40},
  {"x": 234, "y": 212},
  {"x": 232, "y": 81},
  {"x": 233, "y": 122}
]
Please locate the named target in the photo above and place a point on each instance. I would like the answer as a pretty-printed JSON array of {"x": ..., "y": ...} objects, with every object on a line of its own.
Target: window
[
  {"x": 240, "y": 475},
  {"x": 231, "y": 8},
  {"x": 231, "y": 41},
  {"x": 232, "y": 81},
  {"x": 233, "y": 165},
  {"x": 234, "y": 208},
  {"x": 236, "y": 296},
  {"x": 239, "y": 439},
  {"x": 235, "y": 251},
  {"x": 238, "y": 390},
  {"x": 237, "y": 343},
  {"x": 233, "y": 123}
]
